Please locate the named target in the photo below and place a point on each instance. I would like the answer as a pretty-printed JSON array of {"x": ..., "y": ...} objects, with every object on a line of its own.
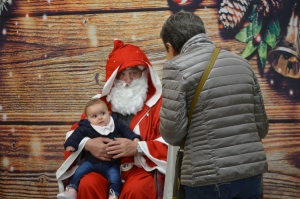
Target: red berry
[{"x": 257, "y": 39}]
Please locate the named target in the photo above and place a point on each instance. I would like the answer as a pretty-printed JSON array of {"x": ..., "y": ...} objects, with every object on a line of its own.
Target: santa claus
[{"x": 132, "y": 91}]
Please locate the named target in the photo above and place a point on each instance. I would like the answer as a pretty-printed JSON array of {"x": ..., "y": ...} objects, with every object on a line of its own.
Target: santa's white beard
[{"x": 128, "y": 98}]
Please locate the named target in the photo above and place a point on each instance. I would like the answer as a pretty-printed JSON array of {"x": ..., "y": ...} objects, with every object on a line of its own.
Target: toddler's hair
[{"x": 93, "y": 102}]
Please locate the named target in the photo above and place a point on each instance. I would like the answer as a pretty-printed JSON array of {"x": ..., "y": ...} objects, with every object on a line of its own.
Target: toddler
[{"x": 98, "y": 123}]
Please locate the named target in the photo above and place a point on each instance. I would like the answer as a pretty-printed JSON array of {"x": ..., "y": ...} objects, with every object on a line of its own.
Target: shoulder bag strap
[{"x": 200, "y": 86}]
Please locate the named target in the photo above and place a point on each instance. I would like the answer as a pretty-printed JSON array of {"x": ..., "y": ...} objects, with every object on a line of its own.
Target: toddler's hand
[{"x": 70, "y": 149}]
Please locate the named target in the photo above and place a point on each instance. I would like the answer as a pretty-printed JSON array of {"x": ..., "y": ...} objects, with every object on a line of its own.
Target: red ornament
[
  {"x": 257, "y": 39},
  {"x": 183, "y": 2}
]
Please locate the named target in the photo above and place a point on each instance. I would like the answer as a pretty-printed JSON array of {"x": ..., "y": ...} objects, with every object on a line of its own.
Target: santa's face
[
  {"x": 128, "y": 97},
  {"x": 129, "y": 74}
]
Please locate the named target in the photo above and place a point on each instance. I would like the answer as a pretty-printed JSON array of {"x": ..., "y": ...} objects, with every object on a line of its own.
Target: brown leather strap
[{"x": 200, "y": 86}]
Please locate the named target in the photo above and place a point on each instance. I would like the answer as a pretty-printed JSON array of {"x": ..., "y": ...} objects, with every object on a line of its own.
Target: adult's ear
[{"x": 171, "y": 51}]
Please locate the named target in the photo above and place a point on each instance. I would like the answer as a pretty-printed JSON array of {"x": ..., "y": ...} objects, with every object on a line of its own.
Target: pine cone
[
  {"x": 270, "y": 7},
  {"x": 232, "y": 11}
]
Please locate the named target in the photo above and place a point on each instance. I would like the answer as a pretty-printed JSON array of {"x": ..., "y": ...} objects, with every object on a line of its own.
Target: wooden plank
[
  {"x": 57, "y": 33},
  {"x": 36, "y": 7},
  {"x": 282, "y": 146},
  {"x": 27, "y": 148},
  {"x": 28, "y": 185},
  {"x": 30, "y": 156},
  {"x": 54, "y": 71},
  {"x": 74, "y": 32}
]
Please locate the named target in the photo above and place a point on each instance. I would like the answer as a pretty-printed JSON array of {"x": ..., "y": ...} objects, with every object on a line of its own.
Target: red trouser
[{"x": 138, "y": 184}]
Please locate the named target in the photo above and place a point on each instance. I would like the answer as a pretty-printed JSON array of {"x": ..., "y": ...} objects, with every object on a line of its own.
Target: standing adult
[
  {"x": 133, "y": 92},
  {"x": 223, "y": 155}
]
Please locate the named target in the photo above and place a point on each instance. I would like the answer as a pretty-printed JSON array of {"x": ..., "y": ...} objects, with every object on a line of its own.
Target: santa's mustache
[{"x": 133, "y": 83}]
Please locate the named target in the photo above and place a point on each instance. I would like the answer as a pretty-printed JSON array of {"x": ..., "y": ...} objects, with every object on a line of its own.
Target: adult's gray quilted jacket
[{"x": 223, "y": 142}]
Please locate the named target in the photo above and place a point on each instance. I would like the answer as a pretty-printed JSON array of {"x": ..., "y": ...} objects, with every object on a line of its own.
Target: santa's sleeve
[
  {"x": 67, "y": 169},
  {"x": 154, "y": 147},
  {"x": 154, "y": 155}
]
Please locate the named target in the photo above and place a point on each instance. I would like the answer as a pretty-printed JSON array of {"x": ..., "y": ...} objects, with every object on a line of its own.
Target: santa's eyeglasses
[{"x": 132, "y": 72}]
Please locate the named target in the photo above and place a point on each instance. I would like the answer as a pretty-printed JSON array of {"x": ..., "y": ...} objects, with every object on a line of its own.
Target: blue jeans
[
  {"x": 110, "y": 170},
  {"x": 247, "y": 188}
]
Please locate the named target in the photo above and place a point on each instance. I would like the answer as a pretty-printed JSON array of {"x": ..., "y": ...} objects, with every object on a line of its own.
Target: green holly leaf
[
  {"x": 262, "y": 53},
  {"x": 270, "y": 38},
  {"x": 250, "y": 48},
  {"x": 245, "y": 35},
  {"x": 257, "y": 24},
  {"x": 274, "y": 27},
  {"x": 253, "y": 13}
]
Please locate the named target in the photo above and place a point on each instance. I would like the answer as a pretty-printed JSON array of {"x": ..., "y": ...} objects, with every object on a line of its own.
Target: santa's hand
[
  {"x": 122, "y": 147},
  {"x": 97, "y": 147},
  {"x": 70, "y": 149}
]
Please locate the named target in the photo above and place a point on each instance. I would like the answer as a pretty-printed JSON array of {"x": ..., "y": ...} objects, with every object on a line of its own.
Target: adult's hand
[
  {"x": 97, "y": 147},
  {"x": 122, "y": 147}
]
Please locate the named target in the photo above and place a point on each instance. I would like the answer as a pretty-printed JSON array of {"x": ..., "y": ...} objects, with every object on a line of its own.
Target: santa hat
[{"x": 124, "y": 56}]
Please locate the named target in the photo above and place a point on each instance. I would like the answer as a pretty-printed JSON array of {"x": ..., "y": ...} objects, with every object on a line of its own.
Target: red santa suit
[{"x": 138, "y": 172}]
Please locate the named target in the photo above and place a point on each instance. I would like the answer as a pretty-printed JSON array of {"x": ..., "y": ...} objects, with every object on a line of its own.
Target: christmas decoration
[
  {"x": 2, "y": 5},
  {"x": 232, "y": 11},
  {"x": 260, "y": 33},
  {"x": 285, "y": 58},
  {"x": 183, "y": 2},
  {"x": 185, "y": 5},
  {"x": 270, "y": 7}
]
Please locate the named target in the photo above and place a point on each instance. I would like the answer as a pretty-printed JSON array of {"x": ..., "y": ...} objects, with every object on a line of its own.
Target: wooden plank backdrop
[{"x": 52, "y": 61}]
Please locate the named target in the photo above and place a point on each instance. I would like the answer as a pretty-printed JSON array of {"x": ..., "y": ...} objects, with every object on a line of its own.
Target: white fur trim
[
  {"x": 161, "y": 139},
  {"x": 108, "y": 85},
  {"x": 62, "y": 173},
  {"x": 68, "y": 134},
  {"x": 157, "y": 84},
  {"x": 140, "y": 161}
]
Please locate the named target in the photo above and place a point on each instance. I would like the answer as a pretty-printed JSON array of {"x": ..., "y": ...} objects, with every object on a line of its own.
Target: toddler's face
[{"x": 98, "y": 114}]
